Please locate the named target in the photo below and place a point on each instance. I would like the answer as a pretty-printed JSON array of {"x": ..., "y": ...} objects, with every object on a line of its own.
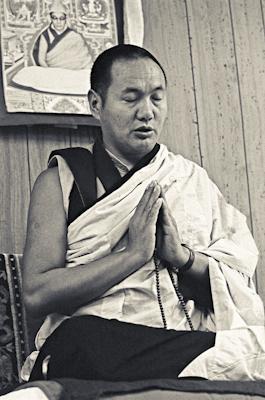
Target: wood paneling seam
[{"x": 193, "y": 82}]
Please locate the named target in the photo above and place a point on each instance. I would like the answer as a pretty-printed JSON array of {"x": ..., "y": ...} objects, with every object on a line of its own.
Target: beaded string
[
  {"x": 178, "y": 293},
  {"x": 158, "y": 291},
  {"x": 181, "y": 298}
]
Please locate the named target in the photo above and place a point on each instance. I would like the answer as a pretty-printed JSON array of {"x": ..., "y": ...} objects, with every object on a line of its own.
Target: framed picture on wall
[{"x": 47, "y": 50}]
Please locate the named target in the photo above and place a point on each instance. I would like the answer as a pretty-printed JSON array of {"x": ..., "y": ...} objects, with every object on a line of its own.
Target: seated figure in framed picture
[{"x": 59, "y": 45}]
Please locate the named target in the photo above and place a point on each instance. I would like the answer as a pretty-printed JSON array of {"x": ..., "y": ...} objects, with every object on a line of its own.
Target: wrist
[
  {"x": 189, "y": 263},
  {"x": 183, "y": 258},
  {"x": 137, "y": 258}
]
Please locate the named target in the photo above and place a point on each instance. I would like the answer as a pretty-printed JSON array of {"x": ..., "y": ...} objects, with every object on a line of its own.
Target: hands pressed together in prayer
[{"x": 153, "y": 228}]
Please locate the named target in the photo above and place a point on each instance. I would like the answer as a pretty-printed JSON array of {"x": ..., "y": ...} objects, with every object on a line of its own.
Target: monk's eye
[
  {"x": 130, "y": 98},
  {"x": 157, "y": 97}
]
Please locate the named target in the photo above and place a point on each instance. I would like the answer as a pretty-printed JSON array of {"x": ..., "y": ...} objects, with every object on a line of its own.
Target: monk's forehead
[{"x": 139, "y": 72}]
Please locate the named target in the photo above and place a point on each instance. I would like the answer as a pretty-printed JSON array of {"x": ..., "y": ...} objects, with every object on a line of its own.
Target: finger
[
  {"x": 153, "y": 214},
  {"x": 152, "y": 199},
  {"x": 146, "y": 196},
  {"x": 163, "y": 193},
  {"x": 148, "y": 199},
  {"x": 168, "y": 224},
  {"x": 142, "y": 203},
  {"x": 166, "y": 220},
  {"x": 166, "y": 213}
]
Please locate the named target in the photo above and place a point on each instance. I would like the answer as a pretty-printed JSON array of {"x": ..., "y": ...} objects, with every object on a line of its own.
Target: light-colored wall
[{"x": 214, "y": 54}]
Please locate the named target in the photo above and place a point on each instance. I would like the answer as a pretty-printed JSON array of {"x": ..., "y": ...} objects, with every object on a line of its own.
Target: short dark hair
[{"x": 100, "y": 77}]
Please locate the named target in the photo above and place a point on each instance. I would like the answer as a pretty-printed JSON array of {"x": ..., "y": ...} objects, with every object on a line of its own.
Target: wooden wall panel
[
  {"x": 15, "y": 190},
  {"x": 41, "y": 141},
  {"x": 217, "y": 96},
  {"x": 262, "y": 5},
  {"x": 248, "y": 25},
  {"x": 84, "y": 136},
  {"x": 166, "y": 36}
]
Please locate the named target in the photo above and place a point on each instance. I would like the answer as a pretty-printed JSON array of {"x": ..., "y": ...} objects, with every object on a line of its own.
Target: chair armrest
[{"x": 14, "y": 343}]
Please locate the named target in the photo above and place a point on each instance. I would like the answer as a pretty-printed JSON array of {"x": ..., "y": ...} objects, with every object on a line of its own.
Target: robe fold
[{"x": 67, "y": 50}]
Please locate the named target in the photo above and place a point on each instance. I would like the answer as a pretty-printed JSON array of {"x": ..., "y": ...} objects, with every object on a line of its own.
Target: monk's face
[
  {"x": 58, "y": 21},
  {"x": 135, "y": 108}
]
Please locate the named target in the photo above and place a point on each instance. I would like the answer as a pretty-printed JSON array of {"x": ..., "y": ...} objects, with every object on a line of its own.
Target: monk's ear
[{"x": 95, "y": 103}]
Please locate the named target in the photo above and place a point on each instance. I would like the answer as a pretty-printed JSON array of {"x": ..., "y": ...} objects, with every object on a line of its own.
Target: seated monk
[
  {"x": 140, "y": 267},
  {"x": 59, "y": 46}
]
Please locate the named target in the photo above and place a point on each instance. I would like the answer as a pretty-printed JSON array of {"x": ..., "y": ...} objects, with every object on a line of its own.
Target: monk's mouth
[{"x": 144, "y": 132}]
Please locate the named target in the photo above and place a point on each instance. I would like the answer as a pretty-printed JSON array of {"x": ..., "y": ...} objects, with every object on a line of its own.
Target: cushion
[
  {"x": 54, "y": 80},
  {"x": 14, "y": 344}
]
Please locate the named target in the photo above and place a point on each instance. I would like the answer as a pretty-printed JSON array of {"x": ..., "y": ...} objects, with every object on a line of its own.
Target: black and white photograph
[{"x": 132, "y": 224}]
